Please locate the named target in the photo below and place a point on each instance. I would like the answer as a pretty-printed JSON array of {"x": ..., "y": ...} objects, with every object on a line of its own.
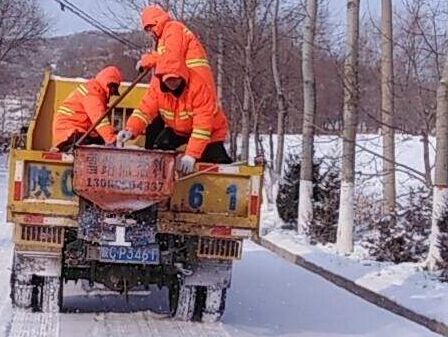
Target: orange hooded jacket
[
  {"x": 194, "y": 113},
  {"x": 176, "y": 42},
  {"x": 84, "y": 106}
]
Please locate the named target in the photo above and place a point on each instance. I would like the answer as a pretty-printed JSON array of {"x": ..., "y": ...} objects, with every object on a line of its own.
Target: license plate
[{"x": 138, "y": 255}]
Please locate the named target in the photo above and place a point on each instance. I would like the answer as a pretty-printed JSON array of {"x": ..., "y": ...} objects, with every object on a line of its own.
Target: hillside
[
  {"x": 83, "y": 54},
  {"x": 78, "y": 55}
]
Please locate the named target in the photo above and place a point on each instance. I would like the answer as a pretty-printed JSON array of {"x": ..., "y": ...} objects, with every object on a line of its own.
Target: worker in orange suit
[
  {"x": 174, "y": 42},
  {"x": 180, "y": 108},
  {"x": 83, "y": 107}
]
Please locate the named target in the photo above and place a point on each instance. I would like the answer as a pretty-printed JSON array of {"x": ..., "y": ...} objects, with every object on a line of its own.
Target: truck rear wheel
[
  {"x": 43, "y": 294},
  {"x": 215, "y": 302},
  {"x": 186, "y": 303},
  {"x": 198, "y": 303},
  {"x": 51, "y": 295},
  {"x": 21, "y": 291}
]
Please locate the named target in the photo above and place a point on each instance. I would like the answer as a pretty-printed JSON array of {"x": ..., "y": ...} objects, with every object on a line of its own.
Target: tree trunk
[
  {"x": 309, "y": 116},
  {"x": 245, "y": 127},
  {"x": 440, "y": 193},
  {"x": 271, "y": 176},
  {"x": 387, "y": 112},
  {"x": 234, "y": 127},
  {"x": 4, "y": 115},
  {"x": 255, "y": 133},
  {"x": 281, "y": 102},
  {"x": 182, "y": 9},
  {"x": 245, "y": 130},
  {"x": 427, "y": 158},
  {"x": 220, "y": 68},
  {"x": 344, "y": 240},
  {"x": 271, "y": 147}
]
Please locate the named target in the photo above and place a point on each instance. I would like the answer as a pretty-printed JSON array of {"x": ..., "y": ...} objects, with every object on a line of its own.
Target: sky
[{"x": 64, "y": 22}]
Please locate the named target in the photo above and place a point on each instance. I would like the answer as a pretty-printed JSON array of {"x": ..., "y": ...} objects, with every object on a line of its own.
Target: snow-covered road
[{"x": 269, "y": 297}]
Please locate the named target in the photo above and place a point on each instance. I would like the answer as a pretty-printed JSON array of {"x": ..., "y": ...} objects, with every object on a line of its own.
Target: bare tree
[
  {"x": 344, "y": 240},
  {"x": 387, "y": 111},
  {"x": 233, "y": 121},
  {"x": 440, "y": 192},
  {"x": 182, "y": 9},
  {"x": 220, "y": 68},
  {"x": 249, "y": 14},
  {"x": 22, "y": 25},
  {"x": 419, "y": 35},
  {"x": 309, "y": 116},
  {"x": 281, "y": 101}
]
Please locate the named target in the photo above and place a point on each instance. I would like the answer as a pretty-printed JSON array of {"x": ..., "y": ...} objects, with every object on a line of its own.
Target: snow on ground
[
  {"x": 14, "y": 113},
  {"x": 3, "y": 163},
  {"x": 407, "y": 283},
  {"x": 409, "y": 151},
  {"x": 269, "y": 297}
]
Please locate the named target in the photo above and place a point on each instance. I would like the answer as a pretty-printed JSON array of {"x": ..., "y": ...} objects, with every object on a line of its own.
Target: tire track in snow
[
  {"x": 165, "y": 327},
  {"x": 146, "y": 324},
  {"x": 33, "y": 324},
  {"x": 5, "y": 257}
]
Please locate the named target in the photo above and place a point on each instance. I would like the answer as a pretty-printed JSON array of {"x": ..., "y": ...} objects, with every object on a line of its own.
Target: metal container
[{"x": 123, "y": 179}]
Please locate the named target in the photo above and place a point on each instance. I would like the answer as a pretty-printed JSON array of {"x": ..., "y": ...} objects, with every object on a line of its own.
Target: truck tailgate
[
  {"x": 41, "y": 183},
  {"x": 223, "y": 197}
]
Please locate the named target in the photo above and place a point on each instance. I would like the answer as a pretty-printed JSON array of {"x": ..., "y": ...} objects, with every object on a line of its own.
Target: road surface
[{"x": 269, "y": 297}]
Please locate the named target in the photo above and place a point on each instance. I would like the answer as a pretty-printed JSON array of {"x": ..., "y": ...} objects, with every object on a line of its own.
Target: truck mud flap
[
  {"x": 206, "y": 274},
  {"x": 39, "y": 264}
]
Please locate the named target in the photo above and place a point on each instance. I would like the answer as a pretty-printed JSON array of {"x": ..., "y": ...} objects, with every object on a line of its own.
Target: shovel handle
[{"x": 208, "y": 169}]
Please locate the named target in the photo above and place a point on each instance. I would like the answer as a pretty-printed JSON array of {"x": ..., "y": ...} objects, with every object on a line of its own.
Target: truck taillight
[
  {"x": 255, "y": 196},
  {"x": 18, "y": 180},
  {"x": 17, "y": 190},
  {"x": 221, "y": 231},
  {"x": 52, "y": 155},
  {"x": 254, "y": 204}
]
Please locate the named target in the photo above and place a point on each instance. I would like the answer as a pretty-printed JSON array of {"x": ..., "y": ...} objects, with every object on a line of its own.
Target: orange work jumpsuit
[{"x": 84, "y": 106}]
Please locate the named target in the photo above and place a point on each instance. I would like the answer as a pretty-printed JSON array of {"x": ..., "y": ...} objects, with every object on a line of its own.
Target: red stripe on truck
[
  {"x": 33, "y": 219},
  {"x": 254, "y": 205},
  {"x": 17, "y": 190},
  {"x": 221, "y": 231},
  {"x": 52, "y": 156},
  {"x": 208, "y": 167}
]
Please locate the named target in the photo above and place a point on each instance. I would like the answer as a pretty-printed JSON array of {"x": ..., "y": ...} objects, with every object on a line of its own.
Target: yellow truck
[{"x": 123, "y": 217}]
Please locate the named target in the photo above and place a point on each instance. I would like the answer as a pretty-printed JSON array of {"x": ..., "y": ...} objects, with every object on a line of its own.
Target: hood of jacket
[
  {"x": 176, "y": 67},
  {"x": 155, "y": 17},
  {"x": 109, "y": 75}
]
